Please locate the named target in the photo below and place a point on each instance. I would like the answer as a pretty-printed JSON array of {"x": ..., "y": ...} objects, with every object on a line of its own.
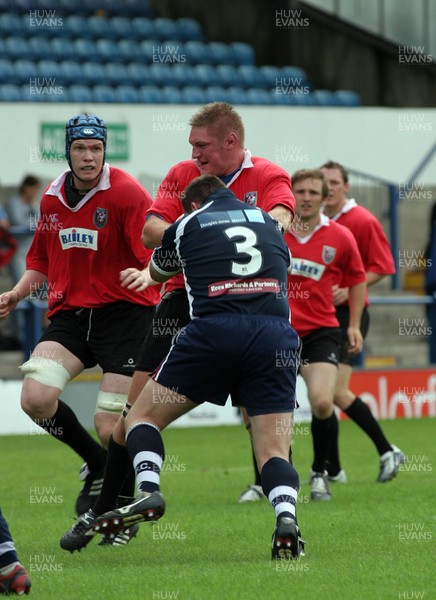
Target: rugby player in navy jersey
[{"x": 235, "y": 261}]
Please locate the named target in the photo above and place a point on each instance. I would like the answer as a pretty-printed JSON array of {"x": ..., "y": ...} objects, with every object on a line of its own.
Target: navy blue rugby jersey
[{"x": 234, "y": 258}]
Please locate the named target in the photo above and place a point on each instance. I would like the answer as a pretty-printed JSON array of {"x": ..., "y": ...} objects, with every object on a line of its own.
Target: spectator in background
[{"x": 22, "y": 211}]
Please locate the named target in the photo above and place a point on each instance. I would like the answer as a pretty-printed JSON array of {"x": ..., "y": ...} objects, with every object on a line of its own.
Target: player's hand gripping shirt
[
  {"x": 259, "y": 183},
  {"x": 328, "y": 256},
  {"x": 83, "y": 249},
  {"x": 234, "y": 258}
]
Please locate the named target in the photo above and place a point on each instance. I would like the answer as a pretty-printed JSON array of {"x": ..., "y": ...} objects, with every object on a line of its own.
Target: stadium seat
[
  {"x": 258, "y": 96},
  {"x": 189, "y": 29},
  {"x": 136, "y": 8},
  {"x": 282, "y": 98},
  {"x": 243, "y": 54},
  {"x": 129, "y": 51},
  {"x": 206, "y": 75},
  {"x": 11, "y": 24},
  {"x": 48, "y": 69},
  {"x": 220, "y": 54},
  {"x": 94, "y": 74},
  {"x": 215, "y": 93},
  {"x": 25, "y": 70},
  {"x": 62, "y": 49},
  {"x": 169, "y": 52},
  {"x": 294, "y": 77},
  {"x": 228, "y": 75},
  {"x": 79, "y": 93},
  {"x": 147, "y": 49},
  {"x": 237, "y": 95},
  {"x": 166, "y": 29},
  {"x": 117, "y": 74},
  {"x": 104, "y": 94},
  {"x": 76, "y": 26},
  {"x": 7, "y": 72},
  {"x": 39, "y": 48},
  {"x": 193, "y": 95},
  {"x": 171, "y": 95},
  {"x": 150, "y": 94},
  {"x": 325, "y": 98},
  {"x": 137, "y": 74},
  {"x": 142, "y": 29},
  {"x": 271, "y": 75},
  {"x": 9, "y": 93},
  {"x": 250, "y": 76},
  {"x": 127, "y": 94},
  {"x": 107, "y": 51},
  {"x": 347, "y": 98},
  {"x": 100, "y": 27},
  {"x": 16, "y": 48},
  {"x": 197, "y": 53},
  {"x": 184, "y": 74},
  {"x": 70, "y": 72},
  {"x": 160, "y": 75},
  {"x": 85, "y": 50},
  {"x": 120, "y": 28},
  {"x": 304, "y": 100}
]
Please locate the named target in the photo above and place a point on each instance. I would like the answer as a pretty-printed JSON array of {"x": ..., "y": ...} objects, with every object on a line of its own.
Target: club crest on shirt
[
  {"x": 250, "y": 198},
  {"x": 100, "y": 217},
  {"x": 328, "y": 254}
]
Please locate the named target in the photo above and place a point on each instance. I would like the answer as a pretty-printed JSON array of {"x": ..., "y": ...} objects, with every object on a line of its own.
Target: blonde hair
[{"x": 220, "y": 116}]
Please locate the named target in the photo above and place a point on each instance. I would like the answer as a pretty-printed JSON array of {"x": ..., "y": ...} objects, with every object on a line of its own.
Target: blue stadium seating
[
  {"x": 62, "y": 49},
  {"x": 48, "y": 69},
  {"x": 39, "y": 48},
  {"x": 70, "y": 72},
  {"x": 243, "y": 54},
  {"x": 347, "y": 98},
  {"x": 193, "y": 95},
  {"x": 76, "y": 26},
  {"x": 107, "y": 51},
  {"x": 79, "y": 93},
  {"x": 119, "y": 28},
  {"x": 150, "y": 94},
  {"x": 137, "y": 74},
  {"x": 166, "y": 29},
  {"x": 147, "y": 49},
  {"x": 9, "y": 93},
  {"x": 206, "y": 75},
  {"x": 325, "y": 98},
  {"x": 304, "y": 100},
  {"x": 104, "y": 94},
  {"x": 127, "y": 94},
  {"x": 197, "y": 53},
  {"x": 258, "y": 96},
  {"x": 85, "y": 50},
  {"x": 16, "y": 48},
  {"x": 142, "y": 29},
  {"x": 7, "y": 72},
  {"x": 171, "y": 95},
  {"x": 228, "y": 75},
  {"x": 129, "y": 51},
  {"x": 220, "y": 54},
  {"x": 190, "y": 29},
  {"x": 160, "y": 75},
  {"x": 270, "y": 75},
  {"x": 10, "y": 24},
  {"x": 184, "y": 74},
  {"x": 237, "y": 95},
  {"x": 294, "y": 76},
  {"x": 94, "y": 74},
  {"x": 100, "y": 27},
  {"x": 250, "y": 76},
  {"x": 216, "y": 93},
  {"x": 25, "y": 70},
  {"x": 117, "y": 74}
]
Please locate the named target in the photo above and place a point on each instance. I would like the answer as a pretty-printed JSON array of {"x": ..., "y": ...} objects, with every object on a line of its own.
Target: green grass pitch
[{"x": 372, "y": 541}]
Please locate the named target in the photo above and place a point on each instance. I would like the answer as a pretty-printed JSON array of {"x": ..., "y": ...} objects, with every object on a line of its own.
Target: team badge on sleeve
[
  {"x": 100, "y": 217},
  {"x": 250, "y": 198},
  {"x": 328, "y": 254}
]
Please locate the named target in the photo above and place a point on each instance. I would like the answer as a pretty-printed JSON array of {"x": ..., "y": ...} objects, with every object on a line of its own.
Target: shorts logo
[
  {"x": 250, "y": 198},
  {"x": 100, "y": 217},
  {"x": 328, "y": 254}
]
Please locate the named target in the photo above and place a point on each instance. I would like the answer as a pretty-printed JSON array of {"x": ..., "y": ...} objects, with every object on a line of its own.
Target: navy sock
[
  {"x": 146, "y": 451},
  {"x": 9, "y": 554},
  {"x": 280, "y": 484}
]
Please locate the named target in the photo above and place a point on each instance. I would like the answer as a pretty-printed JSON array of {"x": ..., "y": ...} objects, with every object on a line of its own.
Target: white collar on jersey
[
  {"x": 323, "y": 222},
  {"x": 56, "y": 186},
  {"x": 349, "y": 205},
  {"x": 247, "y": 163}
]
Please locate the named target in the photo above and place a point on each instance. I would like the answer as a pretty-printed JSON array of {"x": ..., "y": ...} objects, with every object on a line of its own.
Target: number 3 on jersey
[{"x": 246, "y": 246}]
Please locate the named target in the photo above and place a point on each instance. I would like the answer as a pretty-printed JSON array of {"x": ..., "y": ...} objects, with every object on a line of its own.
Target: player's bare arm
[
  {"x": 356, "y": 295},
  {"x": 153, "y": 231},
  {"x": 30, "y": 280},
  {"x": 340, "y": 295},
  {"x": 372, "y": 277},
  {"x": 283, "y": 215}
]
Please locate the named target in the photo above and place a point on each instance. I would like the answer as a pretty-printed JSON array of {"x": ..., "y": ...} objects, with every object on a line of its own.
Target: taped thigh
[
  {"x": 46, "y": 371},
  {"x": 110, "y": 402}
]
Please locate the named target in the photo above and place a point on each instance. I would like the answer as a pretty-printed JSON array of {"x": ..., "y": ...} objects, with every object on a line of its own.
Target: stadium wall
[{"x": 386, "y": 143}]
